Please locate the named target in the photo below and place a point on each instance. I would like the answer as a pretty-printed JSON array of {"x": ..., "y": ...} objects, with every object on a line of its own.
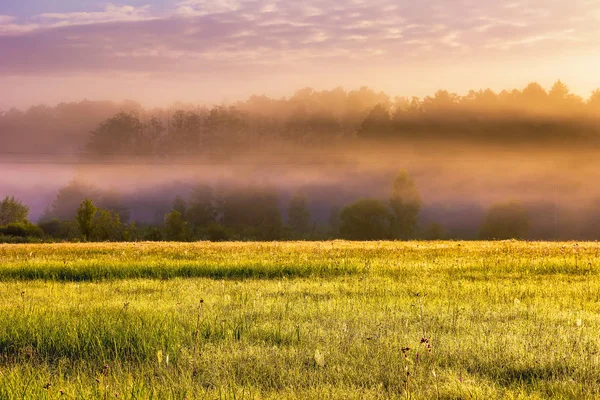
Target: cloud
[
  {"x": 9, "y": 26},
  {"x": 111, "y": 13},
  {"x": 213, "y": 36}
]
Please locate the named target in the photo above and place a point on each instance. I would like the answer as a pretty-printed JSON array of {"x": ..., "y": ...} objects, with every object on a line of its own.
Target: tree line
[
  {"x": 250, "y": 212},
  {"x": 105, "y": 130}
]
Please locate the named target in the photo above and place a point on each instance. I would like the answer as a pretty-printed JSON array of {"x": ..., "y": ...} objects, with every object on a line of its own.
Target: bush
[
  {"x": 59, "y": 229},
  {"x": 505, "y": 221},
  {"x": 22, "y": 229},
  {"x": 217, "y": 233},
  {"x": 433, "y": 231},
  {"x": 366, "y": 219}
]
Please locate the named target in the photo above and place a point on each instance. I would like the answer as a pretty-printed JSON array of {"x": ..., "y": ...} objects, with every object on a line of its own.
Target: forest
[{"x": 315, "y": 166}]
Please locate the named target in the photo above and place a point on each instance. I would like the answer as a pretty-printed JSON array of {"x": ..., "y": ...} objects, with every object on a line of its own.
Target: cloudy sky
[{"x": 208, "y": 51}]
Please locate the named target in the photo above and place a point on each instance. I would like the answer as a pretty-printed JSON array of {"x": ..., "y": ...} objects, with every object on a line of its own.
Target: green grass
[{"x": 300, "y": 320}]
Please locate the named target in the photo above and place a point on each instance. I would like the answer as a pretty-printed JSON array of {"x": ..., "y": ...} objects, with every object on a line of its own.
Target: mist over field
[{"x": 334, "y": 159}]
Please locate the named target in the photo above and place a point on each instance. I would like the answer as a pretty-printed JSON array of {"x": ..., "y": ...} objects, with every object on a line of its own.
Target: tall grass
[{"x": 300, "y": 320}]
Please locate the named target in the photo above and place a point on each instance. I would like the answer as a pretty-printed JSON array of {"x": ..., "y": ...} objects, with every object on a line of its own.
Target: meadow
[{"x": 348, "y": 320}]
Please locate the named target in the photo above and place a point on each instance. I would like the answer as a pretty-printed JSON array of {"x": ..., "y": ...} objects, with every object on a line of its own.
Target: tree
[
  {"x": 123, "y": 134},
  {"x": 334, "y": 220},
  {"x": 299, "y": 214},
  {"x": 180, "y": 205},
  {"x": 200, "y": 212},
  {"x": 366, "y": 219},
  {"x": 176, "y": 227},
  {"x": 108, "y": 227},
  {"x": 406, "y": 204},
  {"x": 68, "y": 199},
  {"x": 85, "y": 218},
  {"x": 594, "y": 100},
  {"x": 377, "y": 124},
  {"x": 505, "y": 221},
  {"x": 251, "y": 211},
  {"x": 559, "y": 92},
  {"x": 12, "y": 211},
  {"x": 112, "y": 201}
]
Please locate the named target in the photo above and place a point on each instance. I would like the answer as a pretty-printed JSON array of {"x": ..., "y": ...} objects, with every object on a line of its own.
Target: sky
[{"x": 202, "y": 51}]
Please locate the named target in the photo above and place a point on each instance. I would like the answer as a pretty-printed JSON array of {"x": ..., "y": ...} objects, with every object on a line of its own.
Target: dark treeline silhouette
[
  {"x": 254, "y": 212},
  {"x": 316, "y": 165},
  {"x": 105, "y": 130}
]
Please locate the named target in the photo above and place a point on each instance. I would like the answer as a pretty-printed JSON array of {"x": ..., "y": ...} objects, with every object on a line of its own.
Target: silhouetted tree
[
  {"x": 201, "y": 212},
  {"x": 176, "y": 227},
  {"x": 252, "y": 211},
  {"x": 12, "y": 211},
  {"x": 299, "y": 214},
  {"x": 406, "y": 204},
  {"x": 180, "y": 206},
  {"x": 366, "y": 219},
  {"x": 377, "y": 124},
  {"x": 433, "y": 231},
  {"x": 68, "y": 200},
  {"x": 112, "y": 201},
  {"x": 505, "y": 221}
]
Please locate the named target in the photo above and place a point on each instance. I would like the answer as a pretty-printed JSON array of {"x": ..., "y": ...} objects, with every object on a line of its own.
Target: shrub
[
  {"x": 217, "y": 233},
  {"x": 366, "y": 219},
  {"x": 22, "y": 229},
  {"x": 505, "y": 221}
]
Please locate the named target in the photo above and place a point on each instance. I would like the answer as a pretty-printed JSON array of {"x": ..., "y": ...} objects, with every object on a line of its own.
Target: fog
[
  {"x": 457, "y": 184},
  {"x": 465, "y": 153}
]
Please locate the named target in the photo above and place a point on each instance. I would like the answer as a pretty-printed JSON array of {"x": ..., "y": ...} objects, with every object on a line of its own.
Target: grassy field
[{"x": 419, "y": 320}]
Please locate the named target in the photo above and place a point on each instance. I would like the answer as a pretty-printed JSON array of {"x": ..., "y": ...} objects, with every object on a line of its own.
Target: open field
[{"x": 300, "y": 320}]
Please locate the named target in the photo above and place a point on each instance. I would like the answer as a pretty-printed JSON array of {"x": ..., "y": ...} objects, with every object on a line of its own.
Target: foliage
[
  {"x": 406, "y": 204},
  {"x": 54, "y": 228},
  {"x": 109, "y": 228},
  {"x": 366, "y": 219},
  {"x": 217, "y": 233},
  {"x": 505, "y": 221},
  {"x": 176, "y": 228},
  {"x": 12, "y": 211},
  {"x": 68, "y": 200},
  {"x": 299, "y": 214},
  {"x": 433, "y": 231},
  {"x": 21, "y": 229},
  {"x": 85, "y": 218},
  {"x": 200, "y": 212},
  {"x": 252, "y": 212}
]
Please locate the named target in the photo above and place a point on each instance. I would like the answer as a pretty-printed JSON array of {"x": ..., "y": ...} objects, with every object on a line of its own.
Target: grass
[{"x": 419, "y": 320}]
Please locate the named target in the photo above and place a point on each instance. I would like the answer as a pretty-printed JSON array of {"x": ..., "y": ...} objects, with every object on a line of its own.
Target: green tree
[
  {"x": 108, "y": 227},
  {"x": 12, "y": 211},
  {"x": 299, "y": 214},
  {"x": 85, "y": 218},
  {"x": 505, "y": 221},
  {"x": 406, "y": 204},
  {"x": 366, "y": 219},
  {"x": 176, "y": 228}
]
